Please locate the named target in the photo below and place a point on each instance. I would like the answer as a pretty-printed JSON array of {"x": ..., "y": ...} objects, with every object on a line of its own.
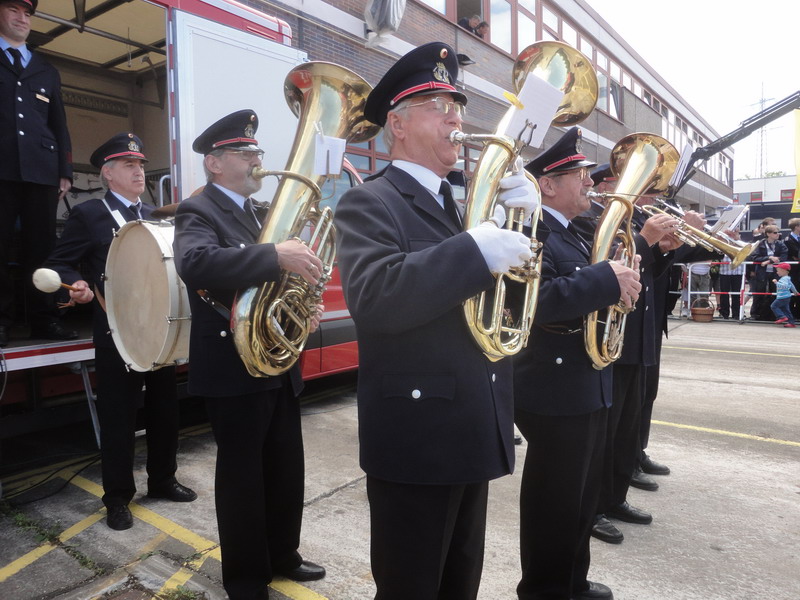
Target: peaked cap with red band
[
  {"x": 566, "y": 154},
  {"x": 235, "y": 131},
  {"x": 31, "y": 4},
  {"x": 603, "y": 173},
  {"x": 430, "y": 69},
  {"x": 122, "y": 145}
]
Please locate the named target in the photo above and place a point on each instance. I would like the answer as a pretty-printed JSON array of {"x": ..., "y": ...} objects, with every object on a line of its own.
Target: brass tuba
[
  {"x": 270, "y": 321},
  {"x": 498, "y": 329},
  {"x": 643, "y": 163}
]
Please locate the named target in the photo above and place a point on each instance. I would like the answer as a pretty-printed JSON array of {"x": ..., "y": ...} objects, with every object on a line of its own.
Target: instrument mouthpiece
[{"x": 457, "y": 137}]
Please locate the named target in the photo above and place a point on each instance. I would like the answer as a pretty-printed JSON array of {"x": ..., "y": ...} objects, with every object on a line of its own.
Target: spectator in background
[
  {"x": 482, "y": 30},
  {"x": 768, "y": 252},
  {"x": 470, "y": 24},
  {"x": 784, "y": 291},
  {"x": 792, "y": 241},
  {"x": 700, "y": 281},
  {"x": 730, "y": 285}
]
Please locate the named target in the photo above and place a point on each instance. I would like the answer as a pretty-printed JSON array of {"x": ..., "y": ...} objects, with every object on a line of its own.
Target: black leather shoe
[
  {"x": 174, "y": 491},
  {"x": 5, "y": 335},
  {"x": 651, "y": 467},
  {"x": 630, "y": 514},
  {"x": 643, "y": 482},
  {"x": 52, "y": 331},
  {"x": 119, "y": 517},
  {"x": 305, "y": 571},
  {"x": 594, "y": 591},
  {"x": 605, "y": 531}
]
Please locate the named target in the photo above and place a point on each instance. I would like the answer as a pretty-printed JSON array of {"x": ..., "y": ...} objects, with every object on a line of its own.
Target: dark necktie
[
  {"x": 17, "y": 62},
  {"x": 251, "y": 207},
  {"x": 135, "y": 210},
  {"x": 571, "y": 228},
  {"x": 450, "y": 203}
]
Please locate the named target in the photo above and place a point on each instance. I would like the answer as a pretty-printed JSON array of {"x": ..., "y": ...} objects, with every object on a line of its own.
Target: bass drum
[{"x": 147, "y": 304}]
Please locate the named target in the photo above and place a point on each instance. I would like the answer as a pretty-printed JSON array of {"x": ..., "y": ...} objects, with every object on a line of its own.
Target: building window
[
  {"x": 569, "y": 35},
  {"x": 526, "y": 31},
  {"x": 755, "y": 196},
  {"x": 500, "y": 23},
  {"x": 787, "y": 195},
  {"x": 438, "y": 5},
  {"x": 550, "y": 19}
]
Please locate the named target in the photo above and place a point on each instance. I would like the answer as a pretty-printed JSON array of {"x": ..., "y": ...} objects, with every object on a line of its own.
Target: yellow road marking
[
  {"x": 295, "y": 591},
  {"x": 746, "y": 436},
  {"x": 733, "y": 351},
  {"x": 26, "y": 559}
]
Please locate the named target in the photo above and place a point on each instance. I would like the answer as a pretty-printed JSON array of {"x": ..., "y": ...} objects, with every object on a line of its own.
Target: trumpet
[{"x": 707, "y": 238}]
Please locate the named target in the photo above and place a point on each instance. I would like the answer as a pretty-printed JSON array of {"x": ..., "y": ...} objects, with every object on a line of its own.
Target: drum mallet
[{"x": 48, "y": 281}]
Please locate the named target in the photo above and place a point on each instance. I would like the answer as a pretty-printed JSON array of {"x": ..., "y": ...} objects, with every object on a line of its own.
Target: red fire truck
[{"x": 165, "y": 69}]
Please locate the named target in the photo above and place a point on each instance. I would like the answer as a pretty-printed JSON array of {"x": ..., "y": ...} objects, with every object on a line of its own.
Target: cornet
[{"x": 712, "y": 241}]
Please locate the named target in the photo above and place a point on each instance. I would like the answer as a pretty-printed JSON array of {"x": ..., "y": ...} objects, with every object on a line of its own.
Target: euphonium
[
  {"x": 270, "y": 322},
  {"x": 498, "y": 329},
  {"x": 643, "y": 163},
  {"x": 736, "y": 250}
]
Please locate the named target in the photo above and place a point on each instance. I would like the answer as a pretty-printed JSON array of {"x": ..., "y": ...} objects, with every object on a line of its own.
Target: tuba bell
[
  {"x": 498, "y": 329},
  {"x": 643, "y": 163},
  {"x": 270, "y": 321}
]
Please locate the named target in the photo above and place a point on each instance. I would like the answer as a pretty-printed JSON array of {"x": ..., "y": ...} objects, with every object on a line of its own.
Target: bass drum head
[{"x": 144, "y": 296}]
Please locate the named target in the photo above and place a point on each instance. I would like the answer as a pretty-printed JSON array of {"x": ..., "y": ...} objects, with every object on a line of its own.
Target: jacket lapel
[
  {"x": 227, "y": 205},
  {"x": 556, "y": 227},
  {"x": 421, "y": 198}
]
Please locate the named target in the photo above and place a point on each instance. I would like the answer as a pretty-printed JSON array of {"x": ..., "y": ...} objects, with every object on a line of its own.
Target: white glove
[
  {"x": 517, "y": 191},
  {"x": 501, "y": 248}
]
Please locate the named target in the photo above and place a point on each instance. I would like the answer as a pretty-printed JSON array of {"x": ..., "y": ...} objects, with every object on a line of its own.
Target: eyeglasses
[
  {"x": 775, "y": 232},
  {"x": 247, "y": 155},
  {"x": 583, "y": 172},
  {"x": 443, "y": 106}
]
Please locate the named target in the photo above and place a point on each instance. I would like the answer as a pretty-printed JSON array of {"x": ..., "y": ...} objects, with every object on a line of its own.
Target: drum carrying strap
[
  {"x": 115, "y": 214},
  {"x": 223, "y": 311}
]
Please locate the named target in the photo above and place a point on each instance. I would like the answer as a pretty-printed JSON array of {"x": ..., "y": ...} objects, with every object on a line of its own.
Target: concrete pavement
[{"x": 726, "y": 521}]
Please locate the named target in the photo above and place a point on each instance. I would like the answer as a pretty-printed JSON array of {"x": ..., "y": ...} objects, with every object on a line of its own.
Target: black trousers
[
  {"x": 35, "y": 206},
  {"x": 427, "y": 541},
  {"x": 623, "y": 447},
  {"x": 258, "y": 487},
  {"x": 558, "y": 501},
  {"x": 729, "y": 303},
  {"x": 119, "y": 394}
]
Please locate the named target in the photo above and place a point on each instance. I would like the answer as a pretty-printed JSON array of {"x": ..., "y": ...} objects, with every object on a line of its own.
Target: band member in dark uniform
[
  {"x": 604, "y": 182},
  {"x": 435, "y": 415},
  {"x": 86, "y": 240},
  {"x": 256, "y": 421},
  {"x": 35, "y": 171},
  {"x": 560, "y": 400}
]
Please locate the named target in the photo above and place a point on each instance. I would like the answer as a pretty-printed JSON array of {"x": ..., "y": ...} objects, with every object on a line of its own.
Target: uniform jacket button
[
  {"x": 416, "y": 394},
  {"x": 223, "y": 333},
  {"x": 22, "y": 133},
  {"x": 577, "y": 268},
  {"x": 241, "y": 245},
  {"x": 559, "y": 360},
  {"x": 494, "y": 377}
]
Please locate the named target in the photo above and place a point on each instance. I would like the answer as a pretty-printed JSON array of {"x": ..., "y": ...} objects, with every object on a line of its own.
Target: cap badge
[
  {"x": 579, "y": 143},
  {"x": 440, "y": 72},
  {"x": 249, "y": 131},
  {"x": 133, "y": 146}
]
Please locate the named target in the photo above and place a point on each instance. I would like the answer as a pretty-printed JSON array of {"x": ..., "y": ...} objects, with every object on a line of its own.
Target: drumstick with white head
[{"x": 48, "y": 281}]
